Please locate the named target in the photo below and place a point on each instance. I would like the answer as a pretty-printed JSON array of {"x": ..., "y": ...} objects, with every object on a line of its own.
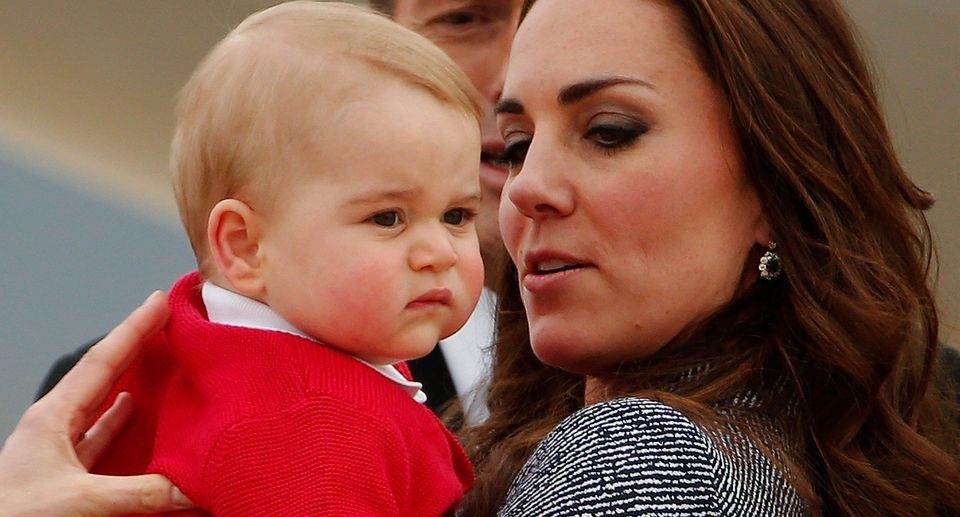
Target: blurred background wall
[{"x": 87, "y": 220}]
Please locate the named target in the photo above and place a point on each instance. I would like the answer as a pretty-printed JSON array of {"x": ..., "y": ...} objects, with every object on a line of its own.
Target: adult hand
[{"x": 44, "y": 462}]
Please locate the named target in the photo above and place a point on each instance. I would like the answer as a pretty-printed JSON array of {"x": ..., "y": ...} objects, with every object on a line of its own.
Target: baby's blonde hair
[{"x": 240, "y": 119}]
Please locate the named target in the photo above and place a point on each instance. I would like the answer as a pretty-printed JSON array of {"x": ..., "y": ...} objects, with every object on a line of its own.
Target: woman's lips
[
  {"x": 545, "y": 270},
  {"x": 539, "y": 282}
]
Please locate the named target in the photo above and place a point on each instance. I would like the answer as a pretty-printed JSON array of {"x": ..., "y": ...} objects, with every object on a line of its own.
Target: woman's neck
[{"x": 594, "y": 390}]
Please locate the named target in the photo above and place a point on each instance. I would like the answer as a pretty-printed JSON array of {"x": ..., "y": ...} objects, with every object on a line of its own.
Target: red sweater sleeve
[{"x": 319, "y": 457}]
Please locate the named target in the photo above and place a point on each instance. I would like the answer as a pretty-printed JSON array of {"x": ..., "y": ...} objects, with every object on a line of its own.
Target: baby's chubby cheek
[
  {"x": 361, "y": 287},
  {"x": 472, "y": 276},
  {"x": 466, "y": 297}
]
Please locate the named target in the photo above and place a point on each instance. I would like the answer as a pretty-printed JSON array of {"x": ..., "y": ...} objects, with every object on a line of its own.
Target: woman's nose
[
  {"x": 433, "y": 249},
  {"x": 540, "y": 190}
]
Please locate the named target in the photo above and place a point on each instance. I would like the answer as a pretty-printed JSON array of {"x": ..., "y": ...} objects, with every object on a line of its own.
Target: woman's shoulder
[
  {"x": 621, "y": 418},
  {"x": 643, "y": 429},
  {"x": 637, "y": 454},
  {"x": 631, "y": 436}
]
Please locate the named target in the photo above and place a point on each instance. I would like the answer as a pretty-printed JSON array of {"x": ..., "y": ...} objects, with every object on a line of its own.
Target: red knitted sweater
[{"x": 257, "y": 422}]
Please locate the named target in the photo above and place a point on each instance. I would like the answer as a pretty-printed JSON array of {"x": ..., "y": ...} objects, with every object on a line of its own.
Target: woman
[{"x": 657, "y": 149}]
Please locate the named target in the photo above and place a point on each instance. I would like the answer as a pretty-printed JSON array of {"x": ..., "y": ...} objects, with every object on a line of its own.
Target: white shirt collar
[
  {"x": 229, "y": 308},
  {"x": 468, "y": 357}
]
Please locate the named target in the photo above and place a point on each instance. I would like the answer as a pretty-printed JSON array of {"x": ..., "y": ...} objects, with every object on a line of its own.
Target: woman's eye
[
  {"x": 386, "y": 219},
  {"x": 457, "y": 216},
  {"x": 609, "y": 136},
  {"x": 514, "y": 154}
]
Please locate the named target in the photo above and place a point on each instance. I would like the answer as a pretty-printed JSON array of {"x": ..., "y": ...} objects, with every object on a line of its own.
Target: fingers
[
  {"x": 84, "y": 387},
  {"x": 149, "y": 493},
  {"x": 42, "y": 457},
  {"x": 98, "y": 437}
]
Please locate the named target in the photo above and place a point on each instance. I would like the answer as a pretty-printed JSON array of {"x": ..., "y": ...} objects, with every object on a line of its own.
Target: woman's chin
[
  {"x": 587, "y": 354},
  {"x": 567, "y": 355}
]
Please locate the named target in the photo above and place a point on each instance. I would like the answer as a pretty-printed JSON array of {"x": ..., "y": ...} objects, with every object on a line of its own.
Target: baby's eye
[
  {"x": 387, "y": 219},
  {"x": 457, "y": 216}
]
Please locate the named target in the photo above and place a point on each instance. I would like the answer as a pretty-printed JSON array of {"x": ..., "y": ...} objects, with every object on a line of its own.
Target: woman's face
[{"x": 626, "y": 211}]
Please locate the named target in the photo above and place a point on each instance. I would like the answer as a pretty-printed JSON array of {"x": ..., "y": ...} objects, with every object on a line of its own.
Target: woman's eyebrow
[
  {"x": 574, "y": 92},
  {"x": 580, "y": 90},
  {"x": 512, "y": 106}
]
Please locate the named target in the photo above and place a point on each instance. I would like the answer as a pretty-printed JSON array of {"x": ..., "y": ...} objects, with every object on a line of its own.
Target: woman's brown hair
[{"x": 842, "y": 351}]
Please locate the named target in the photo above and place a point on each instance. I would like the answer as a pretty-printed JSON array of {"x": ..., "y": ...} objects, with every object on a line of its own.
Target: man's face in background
[{"x": 477, "y": 35}]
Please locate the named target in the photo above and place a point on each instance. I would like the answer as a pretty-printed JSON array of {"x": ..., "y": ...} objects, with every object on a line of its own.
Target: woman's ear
[
  {"x": 762, "y": 233},
  {"x": 234, "y": 233}
]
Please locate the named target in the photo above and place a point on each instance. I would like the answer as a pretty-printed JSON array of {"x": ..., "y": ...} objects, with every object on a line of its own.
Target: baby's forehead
[{"x": 335, "y": 90}]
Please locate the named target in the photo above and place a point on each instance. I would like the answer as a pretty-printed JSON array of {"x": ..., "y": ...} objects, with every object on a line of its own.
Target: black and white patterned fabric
[{"x": 636, "y": 456}]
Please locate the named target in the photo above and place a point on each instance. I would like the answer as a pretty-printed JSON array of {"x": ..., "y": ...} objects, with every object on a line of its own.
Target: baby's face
[{"x": 375, "y": 252}]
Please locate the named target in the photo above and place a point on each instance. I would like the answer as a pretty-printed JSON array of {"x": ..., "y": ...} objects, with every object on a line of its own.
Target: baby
[{"x": 325, "y": 167}]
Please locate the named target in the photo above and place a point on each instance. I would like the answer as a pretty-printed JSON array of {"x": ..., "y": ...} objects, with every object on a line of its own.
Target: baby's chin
[{"x": 405, "y": 351}]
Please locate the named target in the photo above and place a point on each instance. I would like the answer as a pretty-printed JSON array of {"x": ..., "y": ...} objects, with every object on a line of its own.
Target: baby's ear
[{"x": 234, "y": 231}]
